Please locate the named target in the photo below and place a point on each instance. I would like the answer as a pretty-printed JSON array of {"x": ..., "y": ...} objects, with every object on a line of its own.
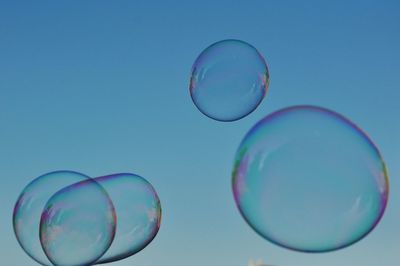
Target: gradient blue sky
[{"x": 102, "y": 87}]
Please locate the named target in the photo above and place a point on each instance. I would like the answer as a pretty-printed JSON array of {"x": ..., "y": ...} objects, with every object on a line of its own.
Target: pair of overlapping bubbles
[
  {"x": 67, "y": 218},
  {"x": 305, "y": 178}
]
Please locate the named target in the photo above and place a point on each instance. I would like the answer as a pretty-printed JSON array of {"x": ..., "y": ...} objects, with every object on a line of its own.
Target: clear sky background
[{"x": 101, "y": 87}]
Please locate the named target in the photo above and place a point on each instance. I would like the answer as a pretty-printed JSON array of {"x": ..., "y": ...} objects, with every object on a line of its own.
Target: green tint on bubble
[
  {"x": 310, "y": 180},
  {"x": 229, "y": 80},
  {"x": 77, "y": 224},
  {"x": 29, "y": 206}
]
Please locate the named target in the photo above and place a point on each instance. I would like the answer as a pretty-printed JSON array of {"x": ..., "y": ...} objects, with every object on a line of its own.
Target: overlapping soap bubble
[{"x": 67, "y": 218}]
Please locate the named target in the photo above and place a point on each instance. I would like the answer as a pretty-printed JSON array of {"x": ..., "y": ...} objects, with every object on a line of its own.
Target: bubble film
[
  {"x": 29, "y": 206},
  {"x": 77, "y": 224},
  {"x": 138, "y": 212},
  {"x": 310, "y": 180},
  {"x": 69, "y": 219},
  {"x": 229, "y": 80}
]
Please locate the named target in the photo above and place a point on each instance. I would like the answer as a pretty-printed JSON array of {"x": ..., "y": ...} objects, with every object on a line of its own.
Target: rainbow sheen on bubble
[
  {"x": 78, "y": 224},
  {"x": 138, "y": 212},
  {"x": 308, "y": 179},
  {"x": 229, "y": 80},
  {"x": 29, "y": 206},
  {"x": 67, "y": 218}
]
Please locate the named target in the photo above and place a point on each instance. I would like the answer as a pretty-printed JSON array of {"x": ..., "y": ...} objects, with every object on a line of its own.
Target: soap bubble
[
  {"x": 29, "y": 206},
  {"x": 78, "y": 224},
  {"x": 310, "y": 180},
  {"x": 138, "y": 212},
  {"x": 229, "y": 80},
  {"x": 67, "y": 218}
]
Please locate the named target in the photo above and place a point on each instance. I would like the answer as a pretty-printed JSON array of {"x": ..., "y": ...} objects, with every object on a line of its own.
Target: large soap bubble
[
  {"x": 229, "y": 80},
  {"x": 308, "y": 179}
]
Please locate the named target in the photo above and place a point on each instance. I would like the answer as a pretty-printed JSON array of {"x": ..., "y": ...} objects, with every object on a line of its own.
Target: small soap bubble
[
  {"x": 229, "y": 80},
  {"x": 78, "y": 224},
  {"x": 29, "y": 206},
  {"x": 138, "y": 213},
  {"x": 308, "y": 179}
]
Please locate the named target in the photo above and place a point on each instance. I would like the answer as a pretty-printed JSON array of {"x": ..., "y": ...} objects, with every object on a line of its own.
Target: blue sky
[{"x": 101, "y": 87}]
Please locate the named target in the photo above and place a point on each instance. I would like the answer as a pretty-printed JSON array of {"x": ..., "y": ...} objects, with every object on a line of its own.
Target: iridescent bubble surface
[
  {"x": 77, "y": 224},
  {"x": 138, "y": 212},
  {"x": 29, "y": 206},
  {"x": 229, "y": 80},
  {"x": 67, "y": 218},
  {"x": 310, "y": 180}
]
